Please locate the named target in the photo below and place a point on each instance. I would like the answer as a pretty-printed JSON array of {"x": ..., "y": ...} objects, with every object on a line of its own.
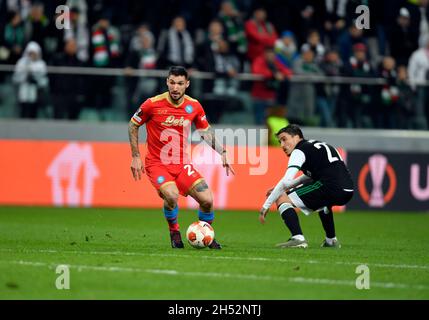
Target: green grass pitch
[{"x": 126, "y": 254}]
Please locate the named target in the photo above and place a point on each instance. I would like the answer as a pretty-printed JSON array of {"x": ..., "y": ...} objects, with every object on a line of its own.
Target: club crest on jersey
[
  {"x": 160, "y": 179},
  {"x": 172, "y": 121},
  {"x": 189, "y": 108}
]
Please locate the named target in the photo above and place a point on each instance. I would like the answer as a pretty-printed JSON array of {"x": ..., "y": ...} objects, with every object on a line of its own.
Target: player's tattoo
[
  {"x": 210, "y": 138},
  {"x": 133, "y": 135},
  {"x": 202, "y": 186}
]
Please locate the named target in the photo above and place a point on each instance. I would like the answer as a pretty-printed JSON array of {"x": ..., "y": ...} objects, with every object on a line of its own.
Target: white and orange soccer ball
[{"x": 200, "y": 234}]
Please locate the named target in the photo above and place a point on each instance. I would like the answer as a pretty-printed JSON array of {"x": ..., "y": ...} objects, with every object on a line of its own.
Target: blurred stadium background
[
  {"x": 343, "y": 84},
  {"x": 64, "y": 108}
]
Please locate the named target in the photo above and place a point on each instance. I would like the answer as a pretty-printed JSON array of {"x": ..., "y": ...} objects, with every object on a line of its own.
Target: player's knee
[
  {"x": 171, "y": 198},
  {"x": 206, "y": 203},
  {"x": 281, "y": 201}
]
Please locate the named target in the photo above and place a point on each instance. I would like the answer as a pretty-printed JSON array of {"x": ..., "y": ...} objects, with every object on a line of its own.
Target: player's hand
[
  {"x": 262, "y": 214},
  {"x": 137, "y": 168},
  {"x": 226, "y": 165},
  {"x": 269, "y": 192}
]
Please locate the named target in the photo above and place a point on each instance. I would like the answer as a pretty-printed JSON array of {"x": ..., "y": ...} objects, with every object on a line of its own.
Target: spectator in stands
[
  {"x": 313, "y": 40},
  {"x": 54, "y": 39},
  {"x": 274, "y": 88},
  {"x": 14, "y": 38},
  {"x": 309, "y": 18},
  {"x": 418, "y": 72},
  {"x": 176, "y": 46},
  {"x": 30, "y": 78},
  {"x": 357, "y": 105},
  {"x": 375, "y": 36},
  {"x": 226, "y": 66},
  {"x": 419, "y": 16},
  {"x": 332, "y": 66},
  {"x": 105, "y": 40},
  {"x": 82, "y": 6},
  {"x": 220, "y": 94},
  {"x": 67, "y": 90},
  {"x": 233, "y": 27},
  {"x": 406, "y": 99},
  {"x": 314, "y": 101},
  {"x": 36, "y": 25},
  {"x": 260, "y": 34},
  {"x": 387, "y": 113},
  {"x": 286, "y": 49},
  {"x": 143, "y": 56},
  {"x": 348, "y": 39},
  {"x": 79, "y": 33},
  {"x": 106, "y": 52},
  {"x": 334, "y": 19},
  {"x": 216, "y": 57},
  {"x": 403, "y": 41},
  {"x": 22, "y": 7}
]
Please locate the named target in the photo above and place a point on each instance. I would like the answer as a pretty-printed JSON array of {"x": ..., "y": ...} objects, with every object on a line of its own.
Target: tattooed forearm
[
  {"x": 209, "y": 137},
  {"x": 133, "y": 135}
]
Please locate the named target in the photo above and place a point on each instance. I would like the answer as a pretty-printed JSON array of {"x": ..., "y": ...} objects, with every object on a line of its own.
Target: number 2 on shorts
[{"x": 189, "y": 168}]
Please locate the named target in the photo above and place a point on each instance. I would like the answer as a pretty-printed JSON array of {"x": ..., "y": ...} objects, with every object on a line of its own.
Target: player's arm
[
  {"x": 137, "y": 168},
  {"x": 285, "y": 183},
  {"x": 140, "y": 117},
  {"x": 293, "y": 184},
  {"x": 209, "y": 137},
  {"x": 296, "y": 160},
  {"x": 298, "y": 181}
]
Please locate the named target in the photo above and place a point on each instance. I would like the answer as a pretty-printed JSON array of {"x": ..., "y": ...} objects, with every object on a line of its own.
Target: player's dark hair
[
  {"x": 178, "y": 71},
  {"x": 292, "y": 129}
]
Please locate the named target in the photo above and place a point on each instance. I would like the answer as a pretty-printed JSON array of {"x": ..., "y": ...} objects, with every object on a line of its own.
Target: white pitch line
[
  {"x": 140, "y": 270},
  {"x": 302, "y": 280},
  {"x": 121, "y": 253},
  {"x": 385, "y": 285}
]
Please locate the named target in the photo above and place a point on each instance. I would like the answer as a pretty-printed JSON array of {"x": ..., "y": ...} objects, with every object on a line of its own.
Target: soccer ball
[{"x": 200, "y": 234}]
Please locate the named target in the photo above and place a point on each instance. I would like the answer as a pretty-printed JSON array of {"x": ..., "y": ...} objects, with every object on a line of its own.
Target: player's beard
[{"x": 178, "y": 99}]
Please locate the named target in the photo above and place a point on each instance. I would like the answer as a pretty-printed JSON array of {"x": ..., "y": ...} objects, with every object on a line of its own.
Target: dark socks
[
  {"x": 291, "y": 220},
  {"x": 327, "y": 220}
]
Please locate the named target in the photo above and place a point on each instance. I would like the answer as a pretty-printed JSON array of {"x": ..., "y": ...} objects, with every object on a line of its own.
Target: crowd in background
[{"x": 272, "y": 39}]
